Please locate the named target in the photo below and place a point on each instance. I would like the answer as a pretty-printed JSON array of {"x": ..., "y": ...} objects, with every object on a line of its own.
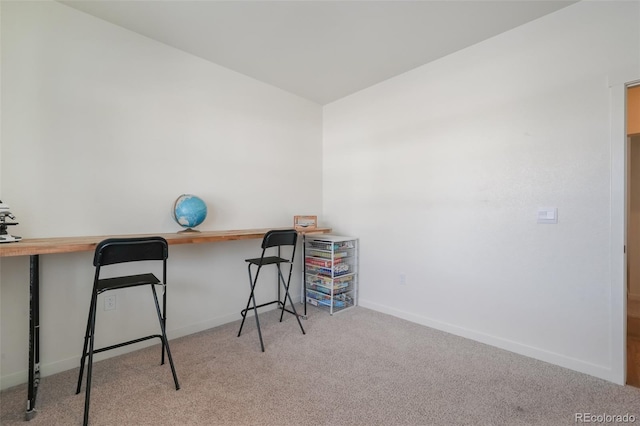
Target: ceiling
[{"x": 320, "y": 50}]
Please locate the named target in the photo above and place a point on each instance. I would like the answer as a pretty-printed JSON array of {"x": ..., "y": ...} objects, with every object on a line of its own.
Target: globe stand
[{"x": 188, "y": 230}]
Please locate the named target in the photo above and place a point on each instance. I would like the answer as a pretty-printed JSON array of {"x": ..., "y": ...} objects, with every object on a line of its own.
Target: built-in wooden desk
[{"x": 34, "y": 247}]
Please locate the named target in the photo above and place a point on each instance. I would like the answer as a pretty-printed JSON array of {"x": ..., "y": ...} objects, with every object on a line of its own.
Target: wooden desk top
[{"x": 31, "y": 246}]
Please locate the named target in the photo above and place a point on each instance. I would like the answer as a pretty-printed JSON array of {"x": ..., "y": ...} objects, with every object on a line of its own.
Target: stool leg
[
  {"x": 288, "y": 295},
  {"x": 246, "y": 310},
  {"x": 255, "y": 311},
  {"x": 252, "y": 298},
  {"x": 87, "y": 395},
  {"x": 165, "y": 342},
  {"x": 295, "y": 313},
  {"x": 164, "y": 319},
  {"x": 86, "y": 342},
  {"x": 281, "y": 281}
]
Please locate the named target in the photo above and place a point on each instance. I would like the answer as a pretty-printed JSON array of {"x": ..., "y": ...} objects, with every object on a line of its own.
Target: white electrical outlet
[
  {"x": 110, "y": 302},
  {"x": 548, "y": 215},
  {"x": 403, "y": 279}
]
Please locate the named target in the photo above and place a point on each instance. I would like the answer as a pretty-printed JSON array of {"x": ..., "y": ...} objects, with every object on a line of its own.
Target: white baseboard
[
  {"x": 602, "y": 372},
  {"x": 14, "y": 379}
]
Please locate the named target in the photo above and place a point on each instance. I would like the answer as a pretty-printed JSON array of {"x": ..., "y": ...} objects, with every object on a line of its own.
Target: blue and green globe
[{"x": 189, "y": 211}]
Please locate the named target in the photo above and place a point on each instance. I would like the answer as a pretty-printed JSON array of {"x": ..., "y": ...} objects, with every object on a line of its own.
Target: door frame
[{"x": 618, "y": 238}]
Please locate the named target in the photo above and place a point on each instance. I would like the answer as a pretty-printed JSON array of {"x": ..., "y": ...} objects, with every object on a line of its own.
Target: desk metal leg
[
  {"x": 304, "y": 274},
  {"x": 34, "y": 335}
]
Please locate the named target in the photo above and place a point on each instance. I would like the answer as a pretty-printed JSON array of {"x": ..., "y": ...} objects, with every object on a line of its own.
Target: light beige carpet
[{"x": 358, "y": 367}]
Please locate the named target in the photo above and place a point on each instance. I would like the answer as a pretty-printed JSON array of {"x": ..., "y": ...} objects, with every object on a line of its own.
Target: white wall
[
  {"x": 440, "y": 172},
  {"x": 101, "y": 130}
]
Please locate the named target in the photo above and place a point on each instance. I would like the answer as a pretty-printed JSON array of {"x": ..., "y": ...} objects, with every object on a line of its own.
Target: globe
[{"x": 189, "y": 211}]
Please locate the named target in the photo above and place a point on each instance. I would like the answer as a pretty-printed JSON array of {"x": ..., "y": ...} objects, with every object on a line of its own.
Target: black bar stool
[
  {"x": 279, "y": 239},
  {"x": 120, "y": 250}
]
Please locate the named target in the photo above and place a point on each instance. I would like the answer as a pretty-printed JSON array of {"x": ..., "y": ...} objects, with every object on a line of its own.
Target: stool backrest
[
  {"x": 120, "y": 250},
  {"x": 281, "y": 238},
  {"x": 287, "y": 237}
]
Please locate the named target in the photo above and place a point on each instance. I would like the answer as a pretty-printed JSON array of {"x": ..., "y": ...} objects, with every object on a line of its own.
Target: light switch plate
[{"x": 548, "y": 215}]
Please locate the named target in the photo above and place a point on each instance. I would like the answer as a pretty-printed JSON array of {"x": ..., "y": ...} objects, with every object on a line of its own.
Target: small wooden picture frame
[{"x": 301, "y": 223}]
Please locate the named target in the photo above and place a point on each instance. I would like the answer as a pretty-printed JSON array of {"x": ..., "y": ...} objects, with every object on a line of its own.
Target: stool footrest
[
  {"x": 244, "y": 311},
  {"x": 280, "y": 306},
  {"x": 130, "y": 342}
]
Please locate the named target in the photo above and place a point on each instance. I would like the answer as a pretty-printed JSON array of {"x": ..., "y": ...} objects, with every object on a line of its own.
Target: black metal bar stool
[
  {"x": 120, "y": 250},
  {"x": 279, "y": 239}
]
